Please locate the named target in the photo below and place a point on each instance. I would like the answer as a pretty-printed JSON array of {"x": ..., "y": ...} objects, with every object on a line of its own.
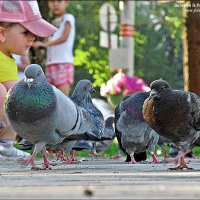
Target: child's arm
[{"x": 59, "y": 40}]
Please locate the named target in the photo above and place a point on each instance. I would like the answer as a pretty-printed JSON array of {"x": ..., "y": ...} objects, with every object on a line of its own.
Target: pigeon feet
[
  {"x": 155, "y": 159},
  {"x": 133, "y": 162},
  {"x": 29, "y": 160},
  {"x": 71, "y": 161},
  {"x": 44, "y": 166},
  {"x": 166, "y": 155},
  {"x": 182, "y": 165},
  {"x": 116, "y": 157}
]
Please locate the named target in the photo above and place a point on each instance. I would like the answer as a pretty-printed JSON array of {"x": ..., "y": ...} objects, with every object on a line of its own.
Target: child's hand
[{"x": 38, "y": 44}]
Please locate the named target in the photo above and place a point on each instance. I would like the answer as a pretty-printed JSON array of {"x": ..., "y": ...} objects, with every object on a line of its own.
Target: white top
[
  {"x": 18, "y": 61},
  {"x": 63, "y": 52}
]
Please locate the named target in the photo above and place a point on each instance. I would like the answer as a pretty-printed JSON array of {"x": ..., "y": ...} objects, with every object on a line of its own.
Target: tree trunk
[{"x": 191, "y": 46}]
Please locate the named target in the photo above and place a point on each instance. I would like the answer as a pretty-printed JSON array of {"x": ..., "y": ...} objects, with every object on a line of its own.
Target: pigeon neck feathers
[
  {"x": 134, "y": 105},
  {"x": 31, "y": 104}
]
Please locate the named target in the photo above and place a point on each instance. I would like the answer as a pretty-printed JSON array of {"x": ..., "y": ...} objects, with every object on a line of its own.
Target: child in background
[
  {"x": 20, "y": 21},
  {"x": 60, "y": 69}
]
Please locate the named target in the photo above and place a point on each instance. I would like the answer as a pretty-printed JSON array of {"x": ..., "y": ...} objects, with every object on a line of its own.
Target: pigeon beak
[
  {"x": 154, "y": 93},
  {"x": 29, "y": 81}
]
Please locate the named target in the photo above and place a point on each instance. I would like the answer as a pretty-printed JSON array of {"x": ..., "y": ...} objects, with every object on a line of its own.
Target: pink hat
[{"x": 27, "y": 13}]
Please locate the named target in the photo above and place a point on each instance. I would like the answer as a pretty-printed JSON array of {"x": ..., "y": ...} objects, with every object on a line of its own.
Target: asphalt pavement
[{"x": 99, "y": 178}]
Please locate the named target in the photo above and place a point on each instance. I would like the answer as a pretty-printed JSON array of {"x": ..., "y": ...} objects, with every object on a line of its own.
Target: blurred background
[{"x": 165, "y": 36}]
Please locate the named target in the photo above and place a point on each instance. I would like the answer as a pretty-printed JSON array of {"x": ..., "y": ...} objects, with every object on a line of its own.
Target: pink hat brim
[{"x": 39, "y": 27}]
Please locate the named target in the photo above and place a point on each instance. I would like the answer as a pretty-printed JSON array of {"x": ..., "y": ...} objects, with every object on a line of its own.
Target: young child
[
  {"x": 60, "y": 69},
  {"x": 20, "y": 21}
]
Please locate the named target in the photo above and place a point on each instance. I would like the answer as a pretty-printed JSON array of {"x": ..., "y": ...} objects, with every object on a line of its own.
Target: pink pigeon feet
[
  {"x": 155, "y": 159},
  {"x": 60, "y": 155},
  {"x": 29, "y": 160},
  {"x": 71, "y": 160},
  {"x": 182, "y": 165},
  {"x": 166, "y": 155},
  {"x": 46, "y": 164},
  {"x": 132, "y": 159},
  {"x": 116, "y": 157}
]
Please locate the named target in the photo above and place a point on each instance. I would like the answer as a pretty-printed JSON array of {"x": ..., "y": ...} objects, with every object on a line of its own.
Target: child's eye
[{"x": 26, "y": 32}]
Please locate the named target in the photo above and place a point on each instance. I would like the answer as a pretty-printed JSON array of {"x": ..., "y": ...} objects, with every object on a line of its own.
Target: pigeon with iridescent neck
[
  {"x": 42, "y": 114},
  {"x": 137, "y": 135}
]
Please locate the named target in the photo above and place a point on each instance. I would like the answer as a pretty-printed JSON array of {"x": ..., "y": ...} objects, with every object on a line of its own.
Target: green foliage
[
  {"x": 162, "y": 26},
  {"x": 113, "y": 150}
]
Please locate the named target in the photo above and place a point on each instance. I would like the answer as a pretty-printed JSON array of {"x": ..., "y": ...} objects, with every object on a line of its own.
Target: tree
[{"x": 192, "y": 47}]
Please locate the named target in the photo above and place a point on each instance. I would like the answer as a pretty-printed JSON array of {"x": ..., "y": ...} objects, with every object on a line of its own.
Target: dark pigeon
[
  {"x": 137, "y": 156},
  {"x": 175, "y": 115},
  {"x": 137, "y": 135}
]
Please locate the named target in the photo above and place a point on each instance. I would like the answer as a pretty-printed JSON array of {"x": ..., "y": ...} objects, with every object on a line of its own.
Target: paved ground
[{"x": 98, "y": 179}]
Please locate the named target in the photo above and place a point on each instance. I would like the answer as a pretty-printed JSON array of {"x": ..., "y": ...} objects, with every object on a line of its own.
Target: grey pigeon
[
  {"x": 107, "y": 137},
  {"x": 141, "y": 156},
  {"x": 175, "y": 115},
  {"x": 81, "y": 97},
  {"x": 137, "y": 135},
  {"x": 84, "y": 145},
  {"x": 98, "y": 148},
  {"x": 42, "y": 114}
]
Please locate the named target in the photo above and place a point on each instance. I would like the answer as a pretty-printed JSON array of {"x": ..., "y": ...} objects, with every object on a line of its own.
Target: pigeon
[
  {"x": 107, "y": 137},
  {"x": 65, "y": 147},
  {"x": 85, "y": 145},
  {"x": 99, "y": 147},
  {"x": 175, "y": 115},
  {"x": 26, "y": 145},
  {"x": 42, "y": 114},
  {"x": 137, "y": 135},
  {"x": 162, "y": 142},
  {"x": 137, "y": 156},
  {"x": 81, "y": 97}
]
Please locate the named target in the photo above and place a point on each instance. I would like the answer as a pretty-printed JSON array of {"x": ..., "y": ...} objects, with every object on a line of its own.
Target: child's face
[
  {"x": 16, "y": 39},
  {"x": 58, "y": 8}
]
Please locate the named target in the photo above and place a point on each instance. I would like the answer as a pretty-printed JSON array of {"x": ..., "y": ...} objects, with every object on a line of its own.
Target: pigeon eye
[
  {"x": 163, "y": 87},
  {"x": 38, "y": 74}
]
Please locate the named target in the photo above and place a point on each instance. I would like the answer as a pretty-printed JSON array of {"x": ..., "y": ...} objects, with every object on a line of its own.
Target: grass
[{"x": 113, "y": 150}]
